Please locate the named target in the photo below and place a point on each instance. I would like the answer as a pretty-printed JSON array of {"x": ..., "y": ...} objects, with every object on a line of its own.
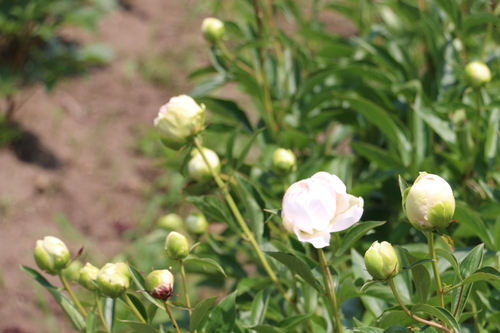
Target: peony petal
[
  {"x": 349, "y": 217},
  {"x": 319, "y": 239}
]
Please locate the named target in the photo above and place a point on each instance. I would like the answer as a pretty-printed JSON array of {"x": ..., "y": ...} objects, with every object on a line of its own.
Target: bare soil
[{"x": 78, "y": 160}]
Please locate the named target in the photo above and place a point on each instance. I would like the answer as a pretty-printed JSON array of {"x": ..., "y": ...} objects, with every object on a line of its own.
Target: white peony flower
[
  {"x": 179, "y": 119},
  {"x": 315, "y": 207}
]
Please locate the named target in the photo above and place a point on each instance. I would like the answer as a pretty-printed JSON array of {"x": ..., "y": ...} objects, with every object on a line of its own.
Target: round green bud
[
  {"x": 160, "y": 284},
  {"x": 213, "y": 29},
  {"x": 430, "y": 203},
  {"x": 196, "y": 223},
  {"x": 88, "y": 274},
  {"x": 72, "y": 272},
  {"x": 51, "y": 255},
  {"x": 477, "y": 74},
  {"x": 178, "y": 120},
  {"x": 122, "y": 268},
  {"x": 381, "y": 261},
  {"x": 176, "y": 246},
  {"x": 198, "y": 169},
  {"x": 111, "y": 282},
  {"x": 170, "y": 222},
  {"x": 284, "y": 162}
]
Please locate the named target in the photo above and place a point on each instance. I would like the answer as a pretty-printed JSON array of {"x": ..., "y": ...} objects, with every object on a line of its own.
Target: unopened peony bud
[
  {"x": 170, "y": 222},
  {"x": 122, "y": 268},
  {"x": 382, "y": 261},
  {"x": 198, "y": 169},
  {"x": 196, "y": 223},
  {"x": 212, "y": 29},
  {"x": 160, "y": 284},
  {"x": 111, "y": 282},
  {"x": 284, "y": 162},
  {"x": 430, "y": 203},
  {"x": 315, "y": 207},
  {"x": 51, "y": 255},
  {"x": 88, "y": 274},
  {"x": 178, "y": 120},
  {"x": 176, "y": 246},
  {"x": 72, "y": 272},
  {"x": 477, "y": 74}
]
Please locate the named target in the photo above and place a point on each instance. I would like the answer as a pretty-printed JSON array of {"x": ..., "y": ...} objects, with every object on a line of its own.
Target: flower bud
[
  {"x": 72, "y": 272},
  {"x": 212, "y": 29},
  {"x": 51, "y": 255},
  {"x": 122, "y": 268},
  {"x": 170, "y": 222},
  {"x": 178, "y": 120},
  {"x": 382, "y": 261},
  {"x": 284, "y": 162},
  {"x": 429, "y": 203},
  {"x": 111, "y": 282},
  {"x": 88, "y": 274},
  {"x": 477, "y": 74},
  {"x": 176, "y": 246},
  {"x": 198, "y": 169},
  {"x": 160, "y": 284},
  {"x": 196, "y": 223}
]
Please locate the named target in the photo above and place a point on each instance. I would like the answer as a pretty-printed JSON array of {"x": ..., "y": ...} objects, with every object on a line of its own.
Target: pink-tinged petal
[
  {"x": 342, "y": 202},
  {"x": 349, "y": 217},
  {"x": 318, "y": 239}
]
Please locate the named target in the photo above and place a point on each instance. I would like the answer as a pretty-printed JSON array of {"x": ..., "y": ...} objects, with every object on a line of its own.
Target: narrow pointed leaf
[
  {"x": 191, "y": 259},
  {"x": 355, "y": 233},
  {"x": 223, "y": 316},
  {"x": 296, "y": 265},
  {"x": 439, "y": 313},
  {"x": 200, "y": 313}
]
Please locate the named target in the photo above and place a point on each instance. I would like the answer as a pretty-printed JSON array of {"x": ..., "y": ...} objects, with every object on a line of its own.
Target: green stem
[
  {"x": 408, "y": 312},
  {"x": 101, "y": 314},
  {"x": 184, "y": 286},
  {"x": 233, "y": 59},
  {"x": 330, "y": 290},
  {"x": 72, "y": 295},
  {"x": 133, "y": 308},
  {"x": 172, "y": 318},
  {"x": 486, "y": 40},
  {"x": 437, "y": 277},
  {"x": 246, "y": 231}
]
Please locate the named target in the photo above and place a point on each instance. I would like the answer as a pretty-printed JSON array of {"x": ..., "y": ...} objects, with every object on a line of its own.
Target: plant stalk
[
  {"x": 437, "y": 277},
  {"x": 72, "y": 295},
  {"x": 330, "y": 290},
  {"x": 101, "y": 314},
  {"x": 172, "y": 318},
  {"x": 184, "y": 286},
  {"x": 408, "y": 312},
  {"x": 133, "y": 308}
]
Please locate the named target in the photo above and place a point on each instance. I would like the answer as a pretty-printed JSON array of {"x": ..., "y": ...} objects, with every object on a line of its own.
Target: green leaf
[
  {"x": 292, "y": 322},
  {"x": 200, "y": 313},
  {"x": 259, "y": 307},
  {"x": 497, "y": 234},
  {"x": 223, "y": 316},
  {"x": 152, "y": 309},
  {"x": 439, "y": 313},
  {"x": 227, "y": 108},
  {"x": 378, "y": 156},
  {"x": 139, "y": 282},
  {"x": 474, "y": 20},
  {"x": 421, "y": 277},
  {"x": 354, "y": 234},
  {"x": 396, "y": 329},
  {"x": 246, "y": 149},
  {"x": 440, "y": 126},
  {"x": 139, "y": 305},
  {"x": 250, "y": 198},
  {"x": 90, "y": 322},
  {"x": 66, "y": 305},
  {"x": 296, "y": 265},
  {"x": 492, "y": 137},
  {"x": 266, "y": 329},
  {"x": 473, "y": 222},
  {"x": 216, "y": 209},
  {"x": 192, "y": 259},
  {"x": 368, "y": 329},
  {"x": 140, "y": 327}
]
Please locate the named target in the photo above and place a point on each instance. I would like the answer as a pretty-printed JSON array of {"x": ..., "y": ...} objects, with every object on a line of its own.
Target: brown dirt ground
[
  {"x": 89, "y": 170},
  {"x": 89, "y": 128}
]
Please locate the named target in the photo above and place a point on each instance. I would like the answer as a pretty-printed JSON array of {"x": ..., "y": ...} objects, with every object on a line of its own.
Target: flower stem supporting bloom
[
  {"x": 330, "y": 290},
  {"x": 72, "y": 295},
  {"x": 133, "y": 308},
  {"x": 246, "y": 231},
  {"x": 101, "y": 314},
  {"x": 184, "y": 286},
  {"x": 172, "y": 318},
  {"x": 390, "y": 282},
  {"x": 437, "y": 277}
]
